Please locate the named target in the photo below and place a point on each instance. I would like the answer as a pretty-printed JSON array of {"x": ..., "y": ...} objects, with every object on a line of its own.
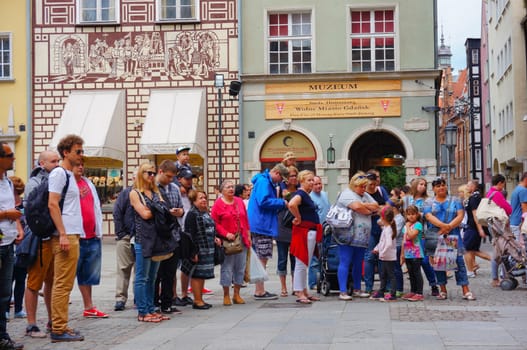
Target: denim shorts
[{"x": 89, "y": 264}]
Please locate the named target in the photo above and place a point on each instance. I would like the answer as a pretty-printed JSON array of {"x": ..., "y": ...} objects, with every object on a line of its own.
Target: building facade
[
  {"x": 508, "y": 87},
  {"x": 15, "y": 104},
  {"x": 357, "y": 78},
  {"x": 136, "y": 80}
]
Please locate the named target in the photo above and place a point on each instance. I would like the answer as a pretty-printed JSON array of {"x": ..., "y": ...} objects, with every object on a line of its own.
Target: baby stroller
[
  {"x": 327, "y": 280},
  {"x": 509, "y": 254}
]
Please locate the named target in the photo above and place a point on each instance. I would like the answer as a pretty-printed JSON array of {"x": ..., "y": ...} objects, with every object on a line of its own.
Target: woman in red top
[{"x": 231, "y": 218}]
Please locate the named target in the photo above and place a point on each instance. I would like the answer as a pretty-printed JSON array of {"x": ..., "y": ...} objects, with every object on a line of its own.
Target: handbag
[
  {"x": 219, "y": 255},
  {"x": 287, "y": 219},
  {"x": 489, "y": 210},
  {"x": 445, "y": 256},
  {"x": 339, "y": 216},
  {"x": 235, "y": 246}
]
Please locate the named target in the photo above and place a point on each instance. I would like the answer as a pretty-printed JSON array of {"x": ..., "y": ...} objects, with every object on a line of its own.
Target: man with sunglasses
[
  {"x": 65, "y": 240},
  {"x": 10, "y": 231}
]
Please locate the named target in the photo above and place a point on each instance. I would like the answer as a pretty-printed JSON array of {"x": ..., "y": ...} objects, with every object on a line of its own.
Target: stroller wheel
[
  {"x": 325, "y": 288},
  {"x": 508, "y": 284}
]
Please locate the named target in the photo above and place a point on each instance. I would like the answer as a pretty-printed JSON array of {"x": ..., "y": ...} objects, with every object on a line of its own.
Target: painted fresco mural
[{"x": 143, "y": 56}]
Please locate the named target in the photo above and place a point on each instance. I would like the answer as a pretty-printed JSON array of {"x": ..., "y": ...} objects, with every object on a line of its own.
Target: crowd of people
[{"x": 163, "y": 225}]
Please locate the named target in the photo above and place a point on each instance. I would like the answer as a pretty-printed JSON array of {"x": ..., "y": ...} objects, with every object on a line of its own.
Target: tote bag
[{"x": 488, "y": 209}]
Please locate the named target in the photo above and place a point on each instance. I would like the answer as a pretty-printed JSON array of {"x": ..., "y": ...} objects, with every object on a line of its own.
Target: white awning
[
  {"x": 99, "y": 118},
  {"x": 175, "y": 117}
]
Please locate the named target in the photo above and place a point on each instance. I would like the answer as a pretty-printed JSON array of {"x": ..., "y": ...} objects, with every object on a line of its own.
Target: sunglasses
[
  {"x": 79, "y": 152},
  {"x": 9, "y": 155},
  {"x": 150, "y": 173}
]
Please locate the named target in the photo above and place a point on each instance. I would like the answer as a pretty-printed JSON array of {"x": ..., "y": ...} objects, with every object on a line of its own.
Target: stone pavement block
[{"x": 474, "y": 333}]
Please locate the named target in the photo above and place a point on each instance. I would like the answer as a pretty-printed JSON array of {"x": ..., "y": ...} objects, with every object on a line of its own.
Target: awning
[
  {"x": 175, "y": 117},
  {"x": 99, "y": 118}
]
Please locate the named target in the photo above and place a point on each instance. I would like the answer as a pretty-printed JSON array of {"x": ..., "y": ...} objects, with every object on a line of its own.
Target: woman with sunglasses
[
  {"x": 354, "y": 241},
  {"x": 444, "y": 215},
  {"x": 145, "y": 269}
]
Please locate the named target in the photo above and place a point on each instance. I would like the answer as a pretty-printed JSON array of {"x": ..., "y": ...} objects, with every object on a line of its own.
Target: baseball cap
[
  {"x": 185, "y": 173},
  {"x": 282, "y": 170},
  {"x": 182, "y": 148}
]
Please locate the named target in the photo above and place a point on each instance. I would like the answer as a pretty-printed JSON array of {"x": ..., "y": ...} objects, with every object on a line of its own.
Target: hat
[
  {"x": 289, "y": 155},
  {"x": 438, "y": 181},
  {"x": 185, "y": 173},
  {"x": 182, "y": 148}
]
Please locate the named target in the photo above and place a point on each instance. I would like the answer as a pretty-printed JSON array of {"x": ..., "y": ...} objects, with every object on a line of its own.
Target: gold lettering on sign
[
  {"x": 333, "y": 108},
  {"x": 332, "y": 86}
]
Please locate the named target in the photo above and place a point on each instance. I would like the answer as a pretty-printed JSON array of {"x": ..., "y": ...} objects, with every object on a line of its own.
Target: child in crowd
[
  {"x": 387, "y": 254},
  {"x": 413, "y": 253},
  {"x": 399, "y": 223}
]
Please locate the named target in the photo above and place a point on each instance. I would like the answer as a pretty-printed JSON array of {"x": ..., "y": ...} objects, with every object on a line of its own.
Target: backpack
[{"x": 37, "y": 212}]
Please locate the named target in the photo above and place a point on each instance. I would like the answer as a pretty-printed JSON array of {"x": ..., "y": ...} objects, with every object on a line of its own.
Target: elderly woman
[
  {"x": 283, "y": 240},
  {"x": 145, "y": 268},
  {"x": 231, "y": 219},
  {"x": 444, "y": 215},
  {"x": 307, "y": 231},
  {"x": 354, "y": 241},
  {"x": 201, "y": 227}
]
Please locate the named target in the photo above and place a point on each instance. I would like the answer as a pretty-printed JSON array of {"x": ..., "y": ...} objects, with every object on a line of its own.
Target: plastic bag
[
  {"x": 257, "y": 271},
  {"x": 445, "y": 256}
]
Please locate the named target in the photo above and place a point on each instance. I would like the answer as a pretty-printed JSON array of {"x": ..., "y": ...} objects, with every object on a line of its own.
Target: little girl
[
  {"x": 387, "y": 254},
  {"x": 413, "y": 253}
]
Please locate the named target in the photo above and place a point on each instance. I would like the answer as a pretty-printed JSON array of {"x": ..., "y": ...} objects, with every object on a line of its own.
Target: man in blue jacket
[{"x": 264, "y": 205}]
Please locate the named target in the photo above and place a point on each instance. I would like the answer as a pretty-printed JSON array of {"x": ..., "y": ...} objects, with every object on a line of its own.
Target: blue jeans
[
  {"x": 398, "y": 271},
  {"x": 314, "y": 268},
  {"x": 429, "y": 271},
  {"x": 354, "y": 256},
  {"x": 460, "y": 274},
  {"x": 370, "y": 261},
  {"x": 7, "y": 263},
  {"x": 144, "y": 284},
  {"x": 89, "y": 264},
  {"x": 283, "y": 254}
]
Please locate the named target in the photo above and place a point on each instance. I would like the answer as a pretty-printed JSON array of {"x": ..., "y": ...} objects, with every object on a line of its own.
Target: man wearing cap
[
  {"x": 289, "y": 159},
  {"x": 264, "y": 205}
]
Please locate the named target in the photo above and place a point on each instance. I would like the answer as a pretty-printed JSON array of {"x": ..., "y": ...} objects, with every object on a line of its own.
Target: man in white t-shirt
[{"x": 65, "y": 241}]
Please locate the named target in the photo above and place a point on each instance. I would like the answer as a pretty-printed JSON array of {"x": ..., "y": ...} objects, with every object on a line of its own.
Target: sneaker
[
  {"x": 94, "y": 313},
  {"x": 471, "y": 275},
  {"x": 407, "y": 296},
  {"x": 34, "y": 332},
  {"x": 266, "y": 296},
  {"x": 8, "y": 344},
  {"x": 389, "y": 297},
  {"x": 399, "y": 293},
  {"x": 119, "y": 306},
  {"x": 204, "y": 291},
  {"x": 377, "y": 295},
  {"x": 20, "y": 314},
  {"x": 170, "y": 310},
  {"x": 361, "y": 294},
  {"x": 66, "y": 337},
  {"x": 435, "y": 291},
  {"x": 179, "y": 302},
  {"x": 416, "y": 297},
  {"x": 345, "y": 297}
]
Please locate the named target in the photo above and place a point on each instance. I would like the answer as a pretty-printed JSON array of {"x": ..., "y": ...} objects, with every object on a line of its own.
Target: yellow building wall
[{"x": 13, "y": 19}]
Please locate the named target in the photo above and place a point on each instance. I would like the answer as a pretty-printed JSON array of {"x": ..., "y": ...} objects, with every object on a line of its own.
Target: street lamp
[
  {"x": 450, "y": 143},
  {"x": 218, "y": 84},
  {"x": 331, "y": 151}
]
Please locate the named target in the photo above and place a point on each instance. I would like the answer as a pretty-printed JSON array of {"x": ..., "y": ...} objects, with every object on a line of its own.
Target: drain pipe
[
  {"x": 240, "y": 96},
  {"x": 29, "y": 89}
]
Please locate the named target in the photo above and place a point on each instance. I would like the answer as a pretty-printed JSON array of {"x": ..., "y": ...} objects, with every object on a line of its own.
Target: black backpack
[{"x": 36, "y": 209}]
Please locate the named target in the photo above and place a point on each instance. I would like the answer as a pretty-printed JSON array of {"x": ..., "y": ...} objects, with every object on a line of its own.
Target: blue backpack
[{"x": 36, "y": 209}]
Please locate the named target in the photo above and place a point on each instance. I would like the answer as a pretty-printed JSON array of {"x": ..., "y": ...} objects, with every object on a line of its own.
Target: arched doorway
[
  {"x": 380, "y": 150},
  {"x": 278, "y": 144}
]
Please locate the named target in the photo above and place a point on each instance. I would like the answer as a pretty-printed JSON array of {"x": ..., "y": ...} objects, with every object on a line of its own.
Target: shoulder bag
[
  {"x": 339, "y": 216},
  {"x": 489, "y": 210}
]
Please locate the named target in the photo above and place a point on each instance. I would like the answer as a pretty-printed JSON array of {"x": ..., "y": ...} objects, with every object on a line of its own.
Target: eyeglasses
[
  {"x": 9, "y": 155},
  {"x": 150, "y": 173},
  {"x": 438, "y": 182},
  {"x": 79, "y": 152}
]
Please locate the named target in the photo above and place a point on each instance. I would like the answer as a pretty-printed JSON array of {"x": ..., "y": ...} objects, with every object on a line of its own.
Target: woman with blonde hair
[
  {"x": 145, "y": 268},
  {"x": 355, "y": 239}
]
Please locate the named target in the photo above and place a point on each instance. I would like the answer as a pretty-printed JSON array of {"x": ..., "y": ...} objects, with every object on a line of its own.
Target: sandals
[
  {"x": 161, "y": 316},
  {"x": 148, "y": 318},
  {"x": 284, "y": 293},
  {"x": 303, "y": 301},
  {"x": 313, "y": 298},
  {"x": 442, "y": 296},
  {"x": 469, "y": 296}
]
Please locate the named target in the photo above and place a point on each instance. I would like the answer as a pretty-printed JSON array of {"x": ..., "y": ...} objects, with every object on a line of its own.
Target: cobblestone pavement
[{"x": 493, "y": 306}]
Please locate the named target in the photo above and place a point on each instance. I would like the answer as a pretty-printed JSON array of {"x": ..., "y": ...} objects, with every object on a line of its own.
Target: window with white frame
[
  {"x": 6, "y": 70},
  {"x": 98, "y": 11},
  {"x": 372, "y": 40},
  {"x": 177, "y": 10},
  {"x": 289, "y": 43}
]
